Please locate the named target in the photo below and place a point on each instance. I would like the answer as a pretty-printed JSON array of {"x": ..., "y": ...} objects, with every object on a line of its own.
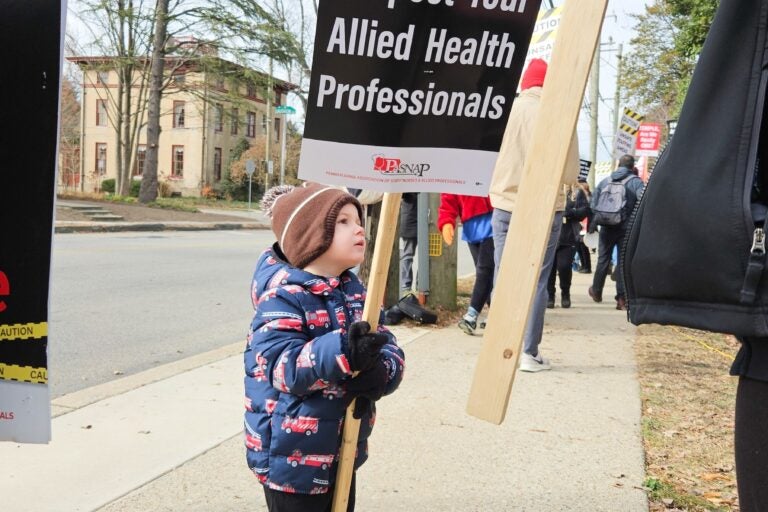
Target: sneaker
[
  {"x": 482, "y": 324},
  {"x": 597, "y": 297},
  {"x": 565, "y": 301},
  {"x": 468, "y": 325},
  {"x": 584, "y": 271},
  {"x": 551, "y": 303},
  {"x": 528, "y": 363}
]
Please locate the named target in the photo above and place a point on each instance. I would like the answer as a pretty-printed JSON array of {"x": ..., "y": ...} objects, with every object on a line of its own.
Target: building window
[
  {"x": 220, "y": 83},
  {"x": 250, "y": 91},
  {"x": 218, "y": 123},
  {"x": 101, "y": 158},
  {"x": 235, "y": 121},
  {"x": 178, "y": 114},
  {"x": 264, "y": 123},
  {"x": 101, "y": 112},
  {"x": 141, "y": 157},
  {"x": 178, "y": 162},
  {"x": 217, "y": 164},
  {"x": 179, "y": 78},
  {"x": 277, "y": 129},
  {"x": 102, "y": 77},
  {"x": 250, "y": 127}
]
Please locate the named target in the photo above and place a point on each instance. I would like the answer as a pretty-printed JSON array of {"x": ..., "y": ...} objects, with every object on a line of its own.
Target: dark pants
[
  {"x": 278, "y": 501},
  {"x": 482, "y": 255},
  {"x": 751, "y": 444},
  {"x": 584, "y": 257},
  {"x": 563, "y": 266},
  {"x": 610, "y": 237}
]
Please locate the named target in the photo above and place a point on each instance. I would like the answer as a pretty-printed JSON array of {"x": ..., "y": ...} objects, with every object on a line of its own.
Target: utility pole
[
  {"x": 617, "y": 95},
  {"x": 267, "y": 151},
  {"x": 594, "y": 99}
]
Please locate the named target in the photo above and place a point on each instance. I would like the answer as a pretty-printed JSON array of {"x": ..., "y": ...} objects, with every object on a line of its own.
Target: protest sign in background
[
  {"x": 626, "y": 134},
  {"x": 412, "y": 96},
  {"x": 30, "y": 44},
  {"x": 648, "y": 139}
]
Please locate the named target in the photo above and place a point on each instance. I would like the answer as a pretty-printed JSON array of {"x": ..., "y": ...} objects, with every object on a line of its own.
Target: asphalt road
[{"x": 124, "y": 302}]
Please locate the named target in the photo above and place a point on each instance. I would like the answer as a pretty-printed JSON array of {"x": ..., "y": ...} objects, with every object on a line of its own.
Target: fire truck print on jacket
[{"x": 295, "y": 372}]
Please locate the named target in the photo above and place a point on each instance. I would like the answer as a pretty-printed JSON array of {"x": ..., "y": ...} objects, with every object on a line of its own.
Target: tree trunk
[{"x": 148, "y": 192}]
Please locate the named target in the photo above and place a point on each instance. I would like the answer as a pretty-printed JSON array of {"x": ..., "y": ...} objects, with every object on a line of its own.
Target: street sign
[
  {"x": 284, "y": 109},
  {"x": 626, "y": 135},
  {"x": 648, "y": 139},
  {"x": 250, "y": 167}
]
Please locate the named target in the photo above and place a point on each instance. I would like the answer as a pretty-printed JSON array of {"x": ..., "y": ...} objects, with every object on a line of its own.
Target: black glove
[
  {"x": 364, "y": 346},
  {"x": 368, "y": 387}
]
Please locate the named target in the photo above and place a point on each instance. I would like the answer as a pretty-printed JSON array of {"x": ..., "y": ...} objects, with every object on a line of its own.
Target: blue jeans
[{"x": 535, "y": 326}]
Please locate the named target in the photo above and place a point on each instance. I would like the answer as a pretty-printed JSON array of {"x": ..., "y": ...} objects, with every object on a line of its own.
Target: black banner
[
  {"x": 29, "y": 101},
  {"x": 417, "y": 73}
]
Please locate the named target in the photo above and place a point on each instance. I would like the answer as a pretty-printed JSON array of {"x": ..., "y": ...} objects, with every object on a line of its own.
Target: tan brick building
[{"x": 203, "y": 116}]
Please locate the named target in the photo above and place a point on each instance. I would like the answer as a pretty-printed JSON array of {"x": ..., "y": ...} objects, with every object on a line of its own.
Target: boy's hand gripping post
[{"x": 382, "y": 252}]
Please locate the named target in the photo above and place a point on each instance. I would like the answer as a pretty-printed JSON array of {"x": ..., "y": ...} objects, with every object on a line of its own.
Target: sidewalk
[
  {"x": 253, "y": 219},
  {"x": 171, "y": 441}
]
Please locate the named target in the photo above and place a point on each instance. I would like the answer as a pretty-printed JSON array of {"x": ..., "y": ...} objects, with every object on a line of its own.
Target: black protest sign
[
  {"x": 31, "y": 49},
  {"x": 412, "y": 94},
  {"x": 584, "y": 167}
]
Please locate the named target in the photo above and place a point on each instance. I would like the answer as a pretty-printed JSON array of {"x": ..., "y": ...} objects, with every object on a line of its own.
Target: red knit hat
[
  {"x": 534, "y": 74},
  {"x": 304, "y": 218}
]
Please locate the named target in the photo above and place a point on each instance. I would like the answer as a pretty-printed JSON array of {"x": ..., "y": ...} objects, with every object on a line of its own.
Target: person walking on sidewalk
[
  {"x": 504, "y": 184},
  {"x": 612, "y": 203},
  {"x": 475, "y": 213},
  {"x": 585, "y": 258},
  {"x": 305, "y": 342},
  {"x": 576, "y": 209}
]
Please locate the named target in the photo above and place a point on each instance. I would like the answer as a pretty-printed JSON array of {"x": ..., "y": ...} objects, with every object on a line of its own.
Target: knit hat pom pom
[{"x": 271, "y": 196}]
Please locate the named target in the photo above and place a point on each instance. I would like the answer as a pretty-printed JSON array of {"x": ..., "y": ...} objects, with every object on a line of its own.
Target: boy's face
[{"x": 348, "y": 247}]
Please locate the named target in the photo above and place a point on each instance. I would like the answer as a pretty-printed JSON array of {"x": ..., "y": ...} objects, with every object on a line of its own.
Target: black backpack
[{"x": 694, "y": 254}]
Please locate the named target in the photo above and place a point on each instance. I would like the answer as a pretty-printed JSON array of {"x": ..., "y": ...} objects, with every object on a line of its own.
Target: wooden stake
[
  {"x": 531, "y": 221},
  {"x": 377, "y": 284}
]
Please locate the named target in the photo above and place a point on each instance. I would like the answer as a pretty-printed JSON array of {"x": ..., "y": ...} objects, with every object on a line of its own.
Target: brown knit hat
[{"x": 304, "y": 218}]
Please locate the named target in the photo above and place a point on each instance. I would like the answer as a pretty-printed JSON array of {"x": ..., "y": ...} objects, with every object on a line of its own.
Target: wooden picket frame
[
  {"x": 377, "y": 283},
  {"x": 529, "y": 228}
]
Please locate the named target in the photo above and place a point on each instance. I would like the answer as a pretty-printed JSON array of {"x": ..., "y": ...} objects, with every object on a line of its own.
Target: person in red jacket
[{"x": 475, "y": 213}]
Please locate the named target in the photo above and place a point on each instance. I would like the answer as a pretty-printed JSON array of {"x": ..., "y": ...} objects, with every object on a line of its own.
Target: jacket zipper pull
[
  {"x": 755, "y": 267},
  {"x": 758, "y": 242}
]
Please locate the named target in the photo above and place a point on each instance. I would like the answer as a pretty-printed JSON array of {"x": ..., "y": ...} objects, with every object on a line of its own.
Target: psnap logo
[{"x": 386, "y": 165}]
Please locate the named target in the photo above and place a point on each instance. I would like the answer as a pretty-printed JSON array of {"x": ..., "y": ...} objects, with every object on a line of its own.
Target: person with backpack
[{"x": 612, "y": 204}]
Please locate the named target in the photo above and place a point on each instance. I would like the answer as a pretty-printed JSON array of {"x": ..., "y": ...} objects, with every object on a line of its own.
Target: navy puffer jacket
[{"x": 296, "y": 368}]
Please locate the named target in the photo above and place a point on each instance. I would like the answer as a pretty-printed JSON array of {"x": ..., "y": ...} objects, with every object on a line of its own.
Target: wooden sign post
[
  {"x": 529, "y": 228},
  {"x": 377, "y": 284}
]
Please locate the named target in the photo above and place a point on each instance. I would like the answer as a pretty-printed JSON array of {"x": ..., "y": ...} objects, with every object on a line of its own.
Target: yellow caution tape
[
  {"x": 23, "y": 331},
  {"x": 703, "y": 344},
  {"x": 23, "y": 373}
]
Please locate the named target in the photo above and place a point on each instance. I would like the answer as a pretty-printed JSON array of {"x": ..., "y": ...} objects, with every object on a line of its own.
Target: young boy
[{"x": 305, "y": 341}]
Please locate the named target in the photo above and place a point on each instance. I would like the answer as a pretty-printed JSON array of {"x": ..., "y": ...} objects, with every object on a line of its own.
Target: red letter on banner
[{"x": 5, "y": 289}]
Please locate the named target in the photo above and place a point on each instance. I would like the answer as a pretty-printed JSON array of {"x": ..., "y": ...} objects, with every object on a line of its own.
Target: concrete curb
[{"x": 112, "y": 227}]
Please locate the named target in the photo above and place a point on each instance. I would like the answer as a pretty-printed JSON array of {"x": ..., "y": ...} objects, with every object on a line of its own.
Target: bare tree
[{"x": 148, "y": 192}]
